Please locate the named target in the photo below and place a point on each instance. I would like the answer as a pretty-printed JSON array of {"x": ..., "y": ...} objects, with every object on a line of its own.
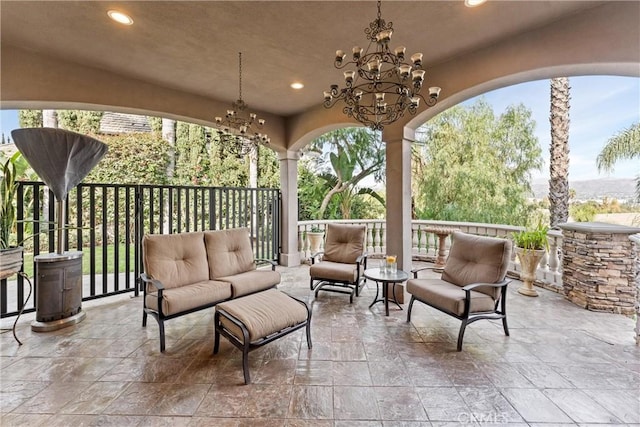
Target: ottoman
[{"x": 255, "y": 320}]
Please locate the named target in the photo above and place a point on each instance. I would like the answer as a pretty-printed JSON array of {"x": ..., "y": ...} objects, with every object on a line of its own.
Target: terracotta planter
[
  {"x": 10, "y": 261},
  {"x": 529, "y": 260}
]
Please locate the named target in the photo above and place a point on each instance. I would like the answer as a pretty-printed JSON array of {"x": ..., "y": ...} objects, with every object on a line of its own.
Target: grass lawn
[{"x": 28, "y": 260}]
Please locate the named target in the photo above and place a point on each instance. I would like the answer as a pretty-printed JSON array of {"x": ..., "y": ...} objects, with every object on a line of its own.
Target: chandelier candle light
[
  {"x": 236, "y": 130},
  {"x": 383, "y": 86}
]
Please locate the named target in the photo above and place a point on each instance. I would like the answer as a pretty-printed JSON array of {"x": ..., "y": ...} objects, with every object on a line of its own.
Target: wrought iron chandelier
[
  {"x": 383, "y": 86},
  {"x": 237, "y": 130}
]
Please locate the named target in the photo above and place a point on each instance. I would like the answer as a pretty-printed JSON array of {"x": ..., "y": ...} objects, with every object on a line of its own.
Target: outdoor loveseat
[{"x": 187, "y": 272}]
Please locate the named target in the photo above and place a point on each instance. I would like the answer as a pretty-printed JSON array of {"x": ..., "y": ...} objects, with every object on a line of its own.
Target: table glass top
[{"x": 376, "y": 274}]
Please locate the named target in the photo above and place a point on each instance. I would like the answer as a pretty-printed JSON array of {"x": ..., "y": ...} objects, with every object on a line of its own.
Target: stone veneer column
[
  {"x": 599, "y": 266},
  {"x": 289, "y": 256},
  {"x": 636, "y": 243}
]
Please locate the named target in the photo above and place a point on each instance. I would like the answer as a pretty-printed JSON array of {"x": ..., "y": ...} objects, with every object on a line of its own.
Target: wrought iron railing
[
  {"x": 107, "y": 222},
  {"x": 426, "y": 243}
]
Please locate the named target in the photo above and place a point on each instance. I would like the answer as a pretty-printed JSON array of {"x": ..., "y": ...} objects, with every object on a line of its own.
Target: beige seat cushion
[
  {"x": 477, "y": 259},
  {"x": 263, "y": 314},
  {"x": 175, "y": 259},
  {"x": 252, "y": 281},
  {"x": 344, "y": 243},
  {"x": 177, "y": 300},
  {"x": 328, "y": 270},
  {"x": 229, "y": 252},
  {"x": 450, "y": 297}
]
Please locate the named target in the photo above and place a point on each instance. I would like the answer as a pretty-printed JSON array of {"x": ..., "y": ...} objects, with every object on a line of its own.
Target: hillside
[{"x": 593, "y": 189}]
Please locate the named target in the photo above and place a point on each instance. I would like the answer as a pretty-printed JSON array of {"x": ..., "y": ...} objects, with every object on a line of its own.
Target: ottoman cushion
[{"x": 262, "y": 313}]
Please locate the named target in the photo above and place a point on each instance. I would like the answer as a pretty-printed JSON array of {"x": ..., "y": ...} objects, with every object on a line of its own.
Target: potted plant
[
  {"x": 10, "y": 256},
  {"x": 315, "y": 237},
  {"x": 531, "y": 245}
]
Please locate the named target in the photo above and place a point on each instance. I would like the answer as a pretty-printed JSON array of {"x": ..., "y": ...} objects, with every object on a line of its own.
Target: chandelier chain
[{"x": 238, "y": 132}]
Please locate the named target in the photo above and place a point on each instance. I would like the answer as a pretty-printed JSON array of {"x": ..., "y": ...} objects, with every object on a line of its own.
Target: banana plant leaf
[{"x": 61, "y": 158}]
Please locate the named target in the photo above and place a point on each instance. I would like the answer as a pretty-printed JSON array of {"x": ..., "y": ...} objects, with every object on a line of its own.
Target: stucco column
[
  {"x": 289, "y": 256},
  {"x": 398, "y": 150}
]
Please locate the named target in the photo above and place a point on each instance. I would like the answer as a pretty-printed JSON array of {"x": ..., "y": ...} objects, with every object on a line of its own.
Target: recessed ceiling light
[
  {"x": 474, "y": 3},
  {"x": 297, "y": 85},
  {"x": 120, "y": 17}
]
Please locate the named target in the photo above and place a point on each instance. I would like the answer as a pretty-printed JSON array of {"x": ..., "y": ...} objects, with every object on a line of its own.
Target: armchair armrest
[
  {"x": 362, "y": 257},
  {"x": 416, "y": 270},
  {"x": 148, "y": 280},
  {"x": 151, "y": 281},
  {"x": 492, "y": 285},
  {"x": 267, "y": 261}
]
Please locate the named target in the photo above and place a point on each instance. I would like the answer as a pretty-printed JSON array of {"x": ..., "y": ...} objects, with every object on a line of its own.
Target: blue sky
[{"x": 601, "y": 106}]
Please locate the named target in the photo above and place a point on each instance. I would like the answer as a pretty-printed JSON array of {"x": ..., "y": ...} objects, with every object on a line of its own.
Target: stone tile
[
  {"x": 348, "y": 351},
  {"x": 275, "y": 371},
  {"x": 355, "y": 403},
  {"x": 15, "y": 393},
  {"x": 26, "y": 420},
  {"x": 51, "y": 398},
  {"x": 314, "y": 372},
  {"x": 443, "y": 404},
  {"x": 406, "y": 424},
  {"x": 534, "y": 406},
  {"x": 351, "y": 373},
  {"x": 561, "y": 356},
  {"x": 95, "y": 420},
  {"x": 353, "y": 423},
  {"x": 624, "y": 404},
  {"x": 488, "y": 403},
  {"x": 137, "y": 399},
  {"x": 180, "y": 399},
  {"x": 388, "y": 373},
  {"x": 320, "y": 351},
  {"x": 504, "y": 376},
  {"x": 400, "y": 403},
  {"x": 95, "y": 398},
  {"x": 542, "y": 375},
  {"x": 159, "y": 421},
  {"x": 311, "y": 402},
  {"x": 253, "y": 401},
  {"x": 580, "y": 407},
  {"x": 309, "y": 423}
]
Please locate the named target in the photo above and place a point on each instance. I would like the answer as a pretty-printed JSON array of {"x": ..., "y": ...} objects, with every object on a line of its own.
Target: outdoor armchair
[
  {"x": 472, "y": 286},
  {"x": 341, "y": 265}
]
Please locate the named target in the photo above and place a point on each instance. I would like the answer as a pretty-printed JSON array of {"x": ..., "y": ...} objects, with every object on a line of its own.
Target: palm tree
[
  {"x": 559, "y": 152},
  {"x": 623, "y": 145},
  {"x": 354, "y": 154}
]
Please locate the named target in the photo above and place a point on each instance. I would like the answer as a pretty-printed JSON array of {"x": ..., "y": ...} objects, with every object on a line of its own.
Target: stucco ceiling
[{"x": 193, "y": 46}]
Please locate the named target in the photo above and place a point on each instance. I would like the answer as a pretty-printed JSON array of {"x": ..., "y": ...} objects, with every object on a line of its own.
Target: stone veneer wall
[
  {"x": 636, "y": 243},
  {"x": 599, "y": 267}
]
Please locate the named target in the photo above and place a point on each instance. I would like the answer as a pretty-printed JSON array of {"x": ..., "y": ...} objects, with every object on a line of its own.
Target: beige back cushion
[
  {"x": 477, "y": 259},
  {"x": 229, "y": 252},
  {"x": 345, "y": 242},
  {"x": 175, "y": 259}
]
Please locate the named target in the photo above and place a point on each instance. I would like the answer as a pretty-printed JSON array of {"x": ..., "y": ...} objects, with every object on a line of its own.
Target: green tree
[
  {"x": 85, "y": 122},
  {"x": 349, "y": 156},
  {"x": 473, "y": 166},
  {"x": 623, "y": 145},
  {"x": 132, "y": 158},
  {"x": 30, "y": 118}
]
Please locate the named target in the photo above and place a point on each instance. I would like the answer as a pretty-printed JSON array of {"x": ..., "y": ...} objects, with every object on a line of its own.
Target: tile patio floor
[{"x": 562, "y": 365}]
